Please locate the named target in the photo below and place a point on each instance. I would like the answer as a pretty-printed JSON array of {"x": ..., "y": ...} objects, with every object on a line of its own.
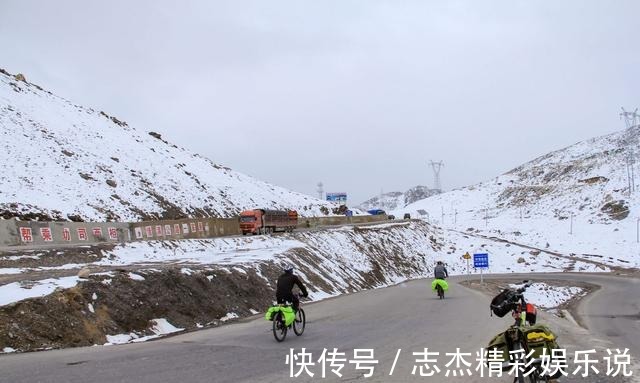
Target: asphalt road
[{"x": 407, "y": 317}]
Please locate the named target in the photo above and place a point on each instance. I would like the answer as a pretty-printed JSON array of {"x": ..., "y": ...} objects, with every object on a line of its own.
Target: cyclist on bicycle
[
  {"x": 440, "y": 271},
  {"x": 284, "y": 292}
]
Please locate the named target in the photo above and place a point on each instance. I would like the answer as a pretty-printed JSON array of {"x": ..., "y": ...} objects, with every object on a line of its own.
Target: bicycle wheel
[
  {"x": 520, "y": 378},
  {"x": 440, "y": 292},
  {"x": 300, "y": 322},
  {"x": 279, "y": 328}
]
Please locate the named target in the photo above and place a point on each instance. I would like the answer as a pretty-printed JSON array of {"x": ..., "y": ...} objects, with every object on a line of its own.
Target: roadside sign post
[
  {"x": 468, "y": 258},
  {"x": 481, "y": 261}
]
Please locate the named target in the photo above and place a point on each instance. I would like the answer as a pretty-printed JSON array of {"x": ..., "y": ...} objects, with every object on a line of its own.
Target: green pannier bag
[
  {"x": 287, "y": 311},
  {"x": 499, "y": 343},
  {"x": 441, "y": 282},
  {"x": 271, "y": 312},
  {"x": 538, "y": 338}
]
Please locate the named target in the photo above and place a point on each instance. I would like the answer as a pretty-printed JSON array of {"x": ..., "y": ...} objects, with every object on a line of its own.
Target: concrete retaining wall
[
  {"x": 36, "y": 233},
  {"x": 184, "y": 228},
  {"x": 26, "y": 234},
  {"x": 339, "y": 220}
]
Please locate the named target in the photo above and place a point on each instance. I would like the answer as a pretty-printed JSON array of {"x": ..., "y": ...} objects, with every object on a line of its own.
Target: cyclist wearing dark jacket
[
  {"x": 441, "y": 271},
  {"x": 284, "y": 292}
]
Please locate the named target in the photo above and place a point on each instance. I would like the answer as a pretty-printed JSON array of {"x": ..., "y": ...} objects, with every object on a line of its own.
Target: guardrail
[{"x": 27, "y": 234}]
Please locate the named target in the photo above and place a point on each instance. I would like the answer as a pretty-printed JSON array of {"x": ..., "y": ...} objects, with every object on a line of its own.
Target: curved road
[{"x": 406, "y": 317}]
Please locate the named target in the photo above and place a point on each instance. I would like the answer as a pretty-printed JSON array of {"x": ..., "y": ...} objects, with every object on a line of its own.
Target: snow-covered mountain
[
  {"x": 578, "y": 199},
  {"x": 395, "y": 200},
  {"x": 63, "y": 161}
]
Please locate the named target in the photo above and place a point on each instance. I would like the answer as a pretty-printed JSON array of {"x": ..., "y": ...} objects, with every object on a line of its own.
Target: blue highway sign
[{"x": 481, "y": 260}]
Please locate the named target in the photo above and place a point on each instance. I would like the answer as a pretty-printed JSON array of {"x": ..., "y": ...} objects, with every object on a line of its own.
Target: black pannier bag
[{"x": 501, "y": 303}]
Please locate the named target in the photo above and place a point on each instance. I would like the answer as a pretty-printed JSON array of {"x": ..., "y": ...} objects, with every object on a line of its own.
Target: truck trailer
[{"x": 263, "y": 221}]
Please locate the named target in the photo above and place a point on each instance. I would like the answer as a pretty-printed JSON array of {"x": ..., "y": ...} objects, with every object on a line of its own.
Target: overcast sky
[{"x": 357, "y": 94}]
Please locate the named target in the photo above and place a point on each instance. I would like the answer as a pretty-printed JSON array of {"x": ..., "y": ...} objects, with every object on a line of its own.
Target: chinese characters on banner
[
  {"x": 66, "y": 234},
  {"x": 46, "y": 235},
  {"x": 82, "y": 233},
  {"x": 25, "y": 234},
  {"x": 157, "y": 231}
]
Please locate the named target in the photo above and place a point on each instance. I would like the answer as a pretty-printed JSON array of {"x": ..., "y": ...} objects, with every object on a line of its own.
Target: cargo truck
[{"x": 263, "y": 221}]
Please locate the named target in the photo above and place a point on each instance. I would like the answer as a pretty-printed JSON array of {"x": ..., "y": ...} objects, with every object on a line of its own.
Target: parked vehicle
[
  {"x": 391, "y": 216},
  {"x": 262, "y": 221},
  {"x": 407, "y": 216},
  {"x": 376, "y": 212}
]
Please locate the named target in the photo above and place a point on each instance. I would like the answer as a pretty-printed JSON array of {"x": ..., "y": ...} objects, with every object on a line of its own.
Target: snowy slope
[
  {"x": 395, "y": 200},
  {"x": 64, "y": 161},
  {"x": 575, "y": 201}
]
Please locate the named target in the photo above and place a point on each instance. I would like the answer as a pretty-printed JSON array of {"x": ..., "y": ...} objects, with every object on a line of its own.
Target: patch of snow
[
  {"x": 67, "y": 266},
  {"x": 12, "y": 270},
  {"x": 320, "y": 295},
  {"x": 136, "y": 277},
  {"x": 549, "y": 296},
  {"x": 120, "y": 338},
  {"x": 90, "y": 307},
  {"x": 7, "y": 350},
  {"x": 15, "y": 292},
  {"x": 232, "y": 250},
  {"x": 162, "y": 327},
  {"x": 229, "y": 316},
  {"x": 94, "y": 296},
  {"x": 159, "y": 327},
  {"x": 19, "y": 257},
  {"x": 254, "y": 312},
  {"x": 382, "y": 225}
]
